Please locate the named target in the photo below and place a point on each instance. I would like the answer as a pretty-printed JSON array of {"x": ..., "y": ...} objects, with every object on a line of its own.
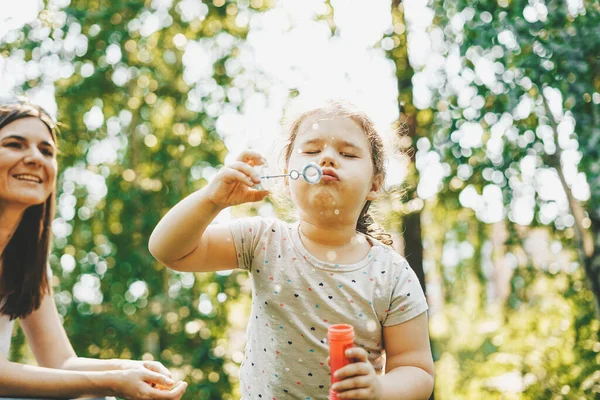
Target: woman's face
[{"x": 27, "y": 162}]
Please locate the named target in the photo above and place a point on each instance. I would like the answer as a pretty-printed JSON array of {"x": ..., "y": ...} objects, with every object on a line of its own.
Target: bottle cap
[{"x": 340, "y": 332}]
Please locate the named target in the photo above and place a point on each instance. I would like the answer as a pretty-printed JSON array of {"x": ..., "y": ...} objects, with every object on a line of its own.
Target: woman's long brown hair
[{"x": 24, "y": 278}]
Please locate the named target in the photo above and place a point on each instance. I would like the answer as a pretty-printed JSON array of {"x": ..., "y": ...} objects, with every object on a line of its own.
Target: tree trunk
[
  {"x": 592, "y": 262},
  {"x": 413, "y": 238},
  {"x": 413, "y": 242},
  {"x": 588, "y": 244}
]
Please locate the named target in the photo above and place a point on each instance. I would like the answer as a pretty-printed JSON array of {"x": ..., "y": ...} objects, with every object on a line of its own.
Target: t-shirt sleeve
[
  {"x": 407, "y": 300},
  {"x": 246, "y": 233}
]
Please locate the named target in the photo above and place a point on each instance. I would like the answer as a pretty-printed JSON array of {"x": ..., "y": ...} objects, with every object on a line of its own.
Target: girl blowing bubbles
[{"x": 328, "y": 267}]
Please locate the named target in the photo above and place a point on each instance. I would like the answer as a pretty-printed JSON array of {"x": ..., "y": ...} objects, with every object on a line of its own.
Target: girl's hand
[
  {"x": 137, "y": 384},
  {"x": 232, "y": 184},
  {"x": 358, "y": 379}
]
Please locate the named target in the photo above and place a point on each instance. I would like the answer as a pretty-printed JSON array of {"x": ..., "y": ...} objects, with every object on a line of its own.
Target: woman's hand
[
  {"x": 143, "y": 383},
  {"x": 151, "y": 365},
  {"x": 358, "y": 379},
  {"x": 232, "y": 184}
]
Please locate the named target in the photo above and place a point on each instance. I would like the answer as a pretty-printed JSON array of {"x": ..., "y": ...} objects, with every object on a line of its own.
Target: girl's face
[
  {"x": 27, "y": 162},
  {"x": 343, "y": 151}
]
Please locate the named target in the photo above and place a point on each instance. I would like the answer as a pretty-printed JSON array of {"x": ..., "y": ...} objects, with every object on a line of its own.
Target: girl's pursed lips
[
  {"x": 330, "y": 172},
  {"x": 329, "y": 178}
]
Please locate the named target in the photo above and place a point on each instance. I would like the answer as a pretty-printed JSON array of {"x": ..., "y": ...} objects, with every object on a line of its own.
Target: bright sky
[{"x": 16, "y": 13}]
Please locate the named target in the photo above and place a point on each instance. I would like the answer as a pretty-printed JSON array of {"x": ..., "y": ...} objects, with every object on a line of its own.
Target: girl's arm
[
  {"x": 54, "y": 353},
  {"x": 183, "y": 239},
  {"x": 409, "y": 366}
]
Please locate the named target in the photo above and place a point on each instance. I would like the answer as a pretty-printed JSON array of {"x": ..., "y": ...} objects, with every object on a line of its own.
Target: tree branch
[{"x": 584, "y": 239}]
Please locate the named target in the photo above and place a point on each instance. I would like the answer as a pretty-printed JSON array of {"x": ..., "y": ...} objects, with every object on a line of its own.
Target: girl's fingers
[
  {"x": 357, "y": 354},
  {"x": 251, "y": 157},
  {"x": 351, "y": 370},
  {"x": 233, "y": 175},
  {"x": 257, "y": 195},
  {"x": 356, "y": 394},
  {"x": 352, "y": 383},
  {"x": 246, "y": 169}
]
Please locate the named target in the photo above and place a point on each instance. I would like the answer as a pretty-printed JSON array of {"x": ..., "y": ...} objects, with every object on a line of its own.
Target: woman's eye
[
  {"x": 47, "y": 152},
  {"x": 15, "y": 145}
]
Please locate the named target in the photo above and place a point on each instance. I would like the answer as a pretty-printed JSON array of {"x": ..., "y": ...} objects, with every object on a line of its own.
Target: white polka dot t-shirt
[{"x": 296, "y": 297}]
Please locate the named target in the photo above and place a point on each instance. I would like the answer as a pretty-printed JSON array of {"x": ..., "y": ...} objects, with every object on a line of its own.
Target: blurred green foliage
[
  {"x": 543, "y": 340},
  {"x": 138, "y": 135},
  {"x": 138, "y": 114}
]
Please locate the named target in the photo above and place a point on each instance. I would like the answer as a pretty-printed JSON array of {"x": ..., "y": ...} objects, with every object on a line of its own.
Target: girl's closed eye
[
  {"x": 348, "y": 155},
  {"x": 310, "y": 151}
]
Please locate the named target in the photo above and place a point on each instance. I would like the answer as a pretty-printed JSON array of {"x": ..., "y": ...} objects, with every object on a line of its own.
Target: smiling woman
[
  {"x": 28, "y": 171},
  {"x": 27, "y": 179}
]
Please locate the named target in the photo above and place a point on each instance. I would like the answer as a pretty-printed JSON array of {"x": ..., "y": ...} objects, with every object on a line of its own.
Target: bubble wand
[{"x": 311, "y": 173}]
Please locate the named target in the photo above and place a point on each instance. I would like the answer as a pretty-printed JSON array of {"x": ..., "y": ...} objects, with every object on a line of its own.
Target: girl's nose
[{"x": 328, "y": 159}]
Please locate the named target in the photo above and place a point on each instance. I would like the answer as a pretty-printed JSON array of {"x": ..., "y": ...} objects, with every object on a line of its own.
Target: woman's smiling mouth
[{"x": 28, "y": 178}]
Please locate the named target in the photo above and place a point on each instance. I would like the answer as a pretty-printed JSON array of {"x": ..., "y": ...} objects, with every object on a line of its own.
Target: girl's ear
[{"x": 374, "y": 192}]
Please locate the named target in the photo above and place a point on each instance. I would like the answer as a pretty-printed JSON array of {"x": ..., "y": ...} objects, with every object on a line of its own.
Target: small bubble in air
[
  {"x": 331, "y": 255},
  {"x": 371, "y": 325},
  {"x": 336, "y": 212}
]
